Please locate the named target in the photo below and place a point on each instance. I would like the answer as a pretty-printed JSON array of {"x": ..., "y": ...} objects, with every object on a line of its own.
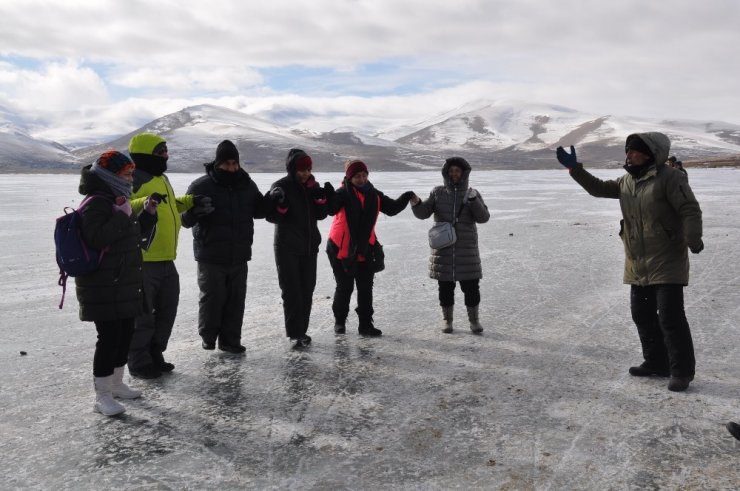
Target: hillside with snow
[{"x": 491, "y": 134}]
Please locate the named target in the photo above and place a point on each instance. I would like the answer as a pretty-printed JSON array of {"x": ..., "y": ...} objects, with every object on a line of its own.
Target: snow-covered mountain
[
  {"x": 20, "y": 152},
  {"x": 519, "y": 131},
  {"x": 491, "y": 134}
]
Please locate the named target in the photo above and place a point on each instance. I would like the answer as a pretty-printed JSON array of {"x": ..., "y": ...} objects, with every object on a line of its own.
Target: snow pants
[
  {"x": 658, "y": 313},
  {"x": 297, "y": 279},
  {"x": 363, "y": 278},
  {"x": 111, "y": 349},
  {"x": 154, "y": 327},
  {"x": 470, "y": 288},
  {"x": 223, "y": 292}
]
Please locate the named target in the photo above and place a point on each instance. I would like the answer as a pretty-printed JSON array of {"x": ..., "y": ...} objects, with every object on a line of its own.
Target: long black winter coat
[
  {"x": 460, "y": 261},
  {"x": 113, "y": 291},
  {"x": 296, "y": 231},
  {"x": 225, "y": 236}
]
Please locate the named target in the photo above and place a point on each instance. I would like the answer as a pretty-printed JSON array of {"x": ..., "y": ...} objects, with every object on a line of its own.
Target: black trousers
[
  {"x": 111, "y": 349},
  {"x": 363, "y": 278},
  {"x": 223, "y": 292},
  {"x": 297, "y": 279},
  {"x": 658, "y": 313},
  {"x": 154, "y": 327},
  {"x": 470, "y": 288}
]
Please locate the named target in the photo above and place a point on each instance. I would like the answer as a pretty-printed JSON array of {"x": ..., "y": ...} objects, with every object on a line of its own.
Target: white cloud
[{"x": 373, "y": 60}]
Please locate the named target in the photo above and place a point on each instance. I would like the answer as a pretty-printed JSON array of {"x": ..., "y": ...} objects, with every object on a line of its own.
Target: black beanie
[
  {"x": 226, "y": 151},
  {"x": 634, "y": 142}
]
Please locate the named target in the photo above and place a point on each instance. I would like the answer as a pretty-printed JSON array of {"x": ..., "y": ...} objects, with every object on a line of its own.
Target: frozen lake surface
[{"x": 541, "y": 401}]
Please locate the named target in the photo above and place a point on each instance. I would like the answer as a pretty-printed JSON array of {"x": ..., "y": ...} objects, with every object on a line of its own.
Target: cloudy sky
[{"x": 88, "y": 69}]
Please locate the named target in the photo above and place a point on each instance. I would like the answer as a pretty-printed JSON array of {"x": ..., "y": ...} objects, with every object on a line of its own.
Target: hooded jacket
[
  {"x": 149, "y": 178},
  {"x": 296, "y": 230},
  {"x": 661, "y": 218},
  {"x": 460, "y": 261},
  {"x": 225, "y": 236},
  {"x": 115, "y": 290}
]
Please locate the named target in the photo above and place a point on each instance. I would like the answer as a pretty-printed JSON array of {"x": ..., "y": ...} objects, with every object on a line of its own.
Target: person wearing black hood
[
  {"x": 112, "y": 295},
  {"x": 296, "y": 203},
  {"x": 661, "y": 222},
  {"x": 353, "y": 248},
  {"x": 222, "y": 246}
]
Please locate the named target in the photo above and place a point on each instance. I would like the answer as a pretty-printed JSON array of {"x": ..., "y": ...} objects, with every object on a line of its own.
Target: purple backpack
[{"x": 74, "y": 256}]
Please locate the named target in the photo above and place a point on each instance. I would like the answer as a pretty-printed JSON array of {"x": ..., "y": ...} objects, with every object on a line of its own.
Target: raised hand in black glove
[
  {"x": 328, "y": 188},
  {"x": 277, "y": 195},
  {"x": 202, "y": 205},
  {"x": 567, "y": 159}
]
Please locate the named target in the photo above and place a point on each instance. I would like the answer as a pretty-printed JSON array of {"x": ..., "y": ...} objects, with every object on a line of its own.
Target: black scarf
[
  {"x": 153, "y": 164},
  {"x": 360, "y": 219}
]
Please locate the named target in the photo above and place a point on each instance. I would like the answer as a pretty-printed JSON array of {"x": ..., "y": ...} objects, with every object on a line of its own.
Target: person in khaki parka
[{"x": 661, "y": 220}]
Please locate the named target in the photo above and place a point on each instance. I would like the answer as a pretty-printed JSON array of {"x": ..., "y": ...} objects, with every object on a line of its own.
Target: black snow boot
[
  {"x": 734, "y": 429},
  {"x": 158, "y": 361},
  {"x": 339, "y": 326},
  {"x": 646, "y": 370},
  {"x": 368, "y": 329}
]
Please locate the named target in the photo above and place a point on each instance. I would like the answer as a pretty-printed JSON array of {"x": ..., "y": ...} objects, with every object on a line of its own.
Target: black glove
[
  {"x": 407, "y": 196},
  {"x": 471, "y": 194},
  {"x": 160, "y": 198},
  {"x": 328, "y": 188},
  {"x": 202, "y": 205},
  {"x": 202, "y": 200},
  {"x": 697, "y": 248},
  {"x": 278, "y": 195},
  {"x": 567, "y": 159}
]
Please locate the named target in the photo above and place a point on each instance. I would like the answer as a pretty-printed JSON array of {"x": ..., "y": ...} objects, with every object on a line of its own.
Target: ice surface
[{"x": 541, "y": 401}]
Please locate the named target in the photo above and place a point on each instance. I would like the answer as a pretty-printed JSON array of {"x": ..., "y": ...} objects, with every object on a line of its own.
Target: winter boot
[
  {"x": 120, "y": 389},
  {"x": 104, "y": 402},
  {"x": 159, "y": 362},
  {"x": 734, "y": 429},
  {"x": 339, "y": 326},
  {"x": 447, "y": 316},
  {"x": 678, "y": 384},
  {"x": 473, "y": 318},
  {"x": 646, "y": 370},
  {"x": 368, "y": 329}
]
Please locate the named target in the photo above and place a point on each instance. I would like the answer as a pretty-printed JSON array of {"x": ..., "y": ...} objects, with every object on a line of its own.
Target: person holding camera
[
  {"x": 161, "y": 280},
  {"x": 661, "y": 222}
]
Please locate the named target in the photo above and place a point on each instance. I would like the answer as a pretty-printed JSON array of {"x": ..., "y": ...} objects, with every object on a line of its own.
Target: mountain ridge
[{"x": 492, "y": 134}]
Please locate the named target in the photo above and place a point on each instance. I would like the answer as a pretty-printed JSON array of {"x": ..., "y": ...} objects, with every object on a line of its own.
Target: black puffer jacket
[
  {"x": 296, "y": 231},
  {"x": 460, "y": 261},
  {"x": 114, "y": 291},
  {"x": 225, "y": 236}
]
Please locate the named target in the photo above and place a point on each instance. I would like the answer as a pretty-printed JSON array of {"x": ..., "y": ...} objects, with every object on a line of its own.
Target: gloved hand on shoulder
[
  {"x": 202, "y": 205},
  {"x": 568, "y": 160},
  {"x": 328, "y": 188}
]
